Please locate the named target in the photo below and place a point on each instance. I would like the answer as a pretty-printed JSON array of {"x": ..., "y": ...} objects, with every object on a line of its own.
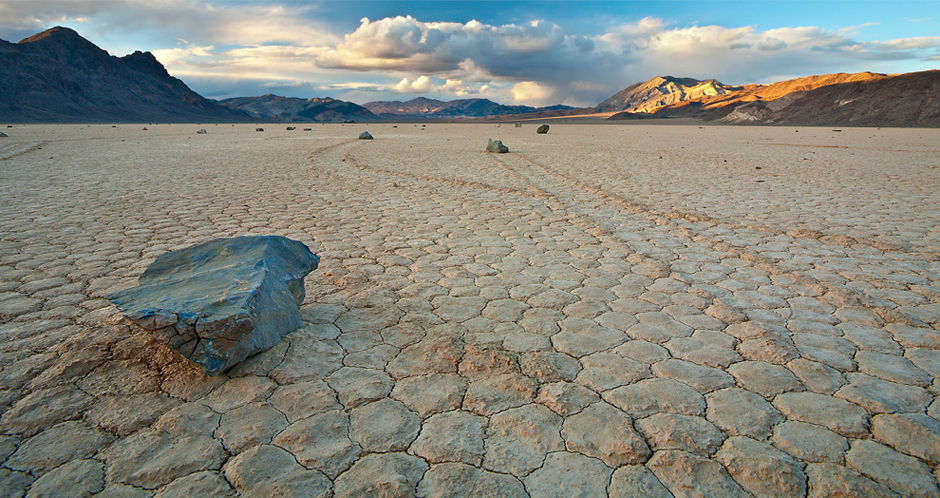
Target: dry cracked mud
[{"x": 623, "y": 310}]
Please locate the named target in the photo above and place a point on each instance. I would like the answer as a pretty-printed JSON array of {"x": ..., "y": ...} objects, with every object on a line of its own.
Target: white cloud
[
  {"x": 531, "y": 92},
  {"x": 534, "y": 62},
  {"x": 470, "y": 52},
  {"x": 910, "y": 43},
  {"x": 421, "y": 84},
  {"x": 424, "y": 84},
  {"x": 540, "y": 63}
]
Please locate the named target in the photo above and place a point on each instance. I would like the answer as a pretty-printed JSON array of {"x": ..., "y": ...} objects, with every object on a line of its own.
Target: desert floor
[{"x": 629, "y": 310}]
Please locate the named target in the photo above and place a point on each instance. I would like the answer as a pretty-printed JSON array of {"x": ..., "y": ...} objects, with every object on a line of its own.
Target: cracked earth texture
[{"x": 622, "y": 310}]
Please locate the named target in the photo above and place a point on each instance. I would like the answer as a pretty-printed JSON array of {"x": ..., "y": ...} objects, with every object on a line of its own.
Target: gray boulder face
[
  {"x": 496, "y": 146},
  {"x": 542, "y": 129},
  {"x": 201, "y": 131},
  {"x": 219, "y": 302},
  {"x": 365, "y": 136},
  {"x": 2, "y": 134}
]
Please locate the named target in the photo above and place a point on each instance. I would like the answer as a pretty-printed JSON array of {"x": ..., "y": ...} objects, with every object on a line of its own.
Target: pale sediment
[{"x": 605, "y": 309}]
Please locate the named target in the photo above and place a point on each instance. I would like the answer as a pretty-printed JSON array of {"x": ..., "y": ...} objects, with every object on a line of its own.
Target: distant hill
[
  {"x": 422, "y": 107},
  {"x": 911, "y": 99},
  {"x": 57, "y": 76},
  {"x": 291, "y": 109},
  {"x": 661, "y": 91},
  {"x": 839, "y": 99}
]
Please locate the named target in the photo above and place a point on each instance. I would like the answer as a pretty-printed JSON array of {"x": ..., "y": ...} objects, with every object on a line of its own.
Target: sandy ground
[{"x": 629, "y": 310}]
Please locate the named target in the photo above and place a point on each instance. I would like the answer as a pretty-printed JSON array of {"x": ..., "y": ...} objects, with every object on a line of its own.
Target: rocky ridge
[
  {"x": 662, "y": 91},
  {"x": 292, "y": 109},
  {"x": 839, "y": 99},
  {"x": 57, "y": 76}
]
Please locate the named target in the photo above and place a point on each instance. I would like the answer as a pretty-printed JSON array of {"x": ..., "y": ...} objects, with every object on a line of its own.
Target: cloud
[
  {"x": 238, "y": 46},
  {"x": 536, "y": 51},
  {"x": 531, "y": 92},
  {"x": 745, "y": 54},
  {"x": 537, "y": 62},
  {"x": 770, "y": 43},
  {"x": 909, "y": 43},
  {"x": 421, "y": 84}
]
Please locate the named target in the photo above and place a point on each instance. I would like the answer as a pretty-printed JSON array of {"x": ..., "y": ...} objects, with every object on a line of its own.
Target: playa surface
[{"x": 629, "y": 310}]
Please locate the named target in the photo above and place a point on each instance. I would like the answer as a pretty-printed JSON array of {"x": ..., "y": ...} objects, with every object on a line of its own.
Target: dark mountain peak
[
  {"x": 145, "y": 62},
  {"x": 62, "y": 39},
  {"x": 137, "y": 55},
  {"x": 63, "y": 44},
  {"x": 58, "y": 76},
  {"x": 58, "y": 34}
]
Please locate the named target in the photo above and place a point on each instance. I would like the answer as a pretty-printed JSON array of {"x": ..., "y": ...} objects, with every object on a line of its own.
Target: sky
[{"x": 534, "y": 53}]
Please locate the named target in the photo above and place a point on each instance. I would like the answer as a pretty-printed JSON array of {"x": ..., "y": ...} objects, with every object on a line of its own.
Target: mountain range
[
  {"x": 839, "y": 99},
  {"x": 422, "y": 107},
  {"x": 292, "y": 109},
  {"x": 58, "y": 76},
  {"x": 910, "y": 99}
]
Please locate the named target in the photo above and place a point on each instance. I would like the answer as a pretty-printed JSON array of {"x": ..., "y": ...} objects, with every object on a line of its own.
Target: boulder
[
  {"x": 365, "y": 136},
  {"x": 496, "y": 146},
  {"x": 542, "y": 129},
  {"x": 259, "y": 129},
  {"x": 219, "y": 302},
  {"x": 291, "y": 128},
  {"x": 2, "y": 134},
  {"x": 201, "y": 131}
]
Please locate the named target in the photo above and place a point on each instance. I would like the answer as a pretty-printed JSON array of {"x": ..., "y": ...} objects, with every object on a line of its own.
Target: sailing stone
[{"x": 219, "y": 302}]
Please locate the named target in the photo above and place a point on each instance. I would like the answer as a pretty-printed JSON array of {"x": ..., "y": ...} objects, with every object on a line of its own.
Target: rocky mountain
[
  {"x": 58, "y": 76},
  {"x": 839, "y": 99},
  {"x": 718, "y": 105},
  {"x": 661, "y": 91},
  {"x": 911, "y": 99},
  {"x": 422, "y": 107},
  {"x": 291, "y": 109}
]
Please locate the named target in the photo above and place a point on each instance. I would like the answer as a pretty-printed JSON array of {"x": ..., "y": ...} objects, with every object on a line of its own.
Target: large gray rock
[
  {"x": 219, "y": 302},
  {"x": 496, "y": 146},
  {"x": 542, "y": 129}
]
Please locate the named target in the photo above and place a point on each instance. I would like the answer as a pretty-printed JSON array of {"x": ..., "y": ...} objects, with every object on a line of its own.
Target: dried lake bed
[{"x": 607, "y": 309}]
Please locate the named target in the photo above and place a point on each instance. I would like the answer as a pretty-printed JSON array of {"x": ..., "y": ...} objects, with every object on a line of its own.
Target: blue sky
[{"x": 534, "y": 53}]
